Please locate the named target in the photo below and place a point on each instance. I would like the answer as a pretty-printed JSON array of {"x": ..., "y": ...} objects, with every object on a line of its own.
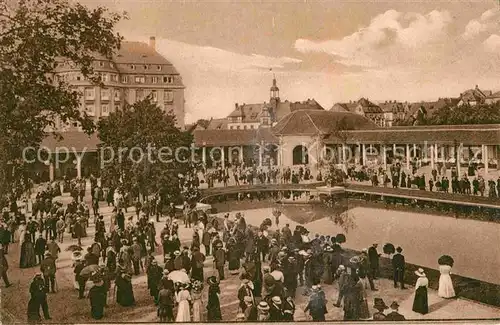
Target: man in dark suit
[
  {"x": 398, "y": 266},
  {"x": 220, "y": 261},
  {"x": 373, "y": 257},
  {"x": 394, "y": 315}
]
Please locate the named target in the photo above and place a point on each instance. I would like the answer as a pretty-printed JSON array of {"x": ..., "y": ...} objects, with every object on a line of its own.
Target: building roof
[
  {"x": 432, "y": 107},
  {"x": 391, "y": 107},
  {"x": 494, "y": 95},
  {"x": 440, "y": 134},
  {"x": 139, "y": 54},
  {"x": 313, "y": 122},
  {"x": 344, "y": 107},
  {"x": 217, "y": 124},
  {"x": 248, "y": 112},
  {"x": 73, "y": 141},
  {"x": 216, "y": 138}
]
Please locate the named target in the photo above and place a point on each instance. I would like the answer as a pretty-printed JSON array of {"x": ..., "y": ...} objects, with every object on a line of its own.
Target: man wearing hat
[
  {"x": 60, "y": 226},
  {"x": 40, "y": 245},
  {"x": 398, "y": 266},
  {"x": 4, "y": 266},
  {"x": 317, "y": 304},
  {"x": 343, "y": 278},
  {"x": 169, "y": 263},
  {"x": 263, "y": 312},
  {"x": 197, "y": 260},
  {"x": 38, "y": 292},
  {"x": 380, "y": 306},
  {"x": 394, "y": 315},
  {"x": 48, "y": 269},
  {"x": 275, "y": 309},
  {"x": 154, "y": 274},
  {"x": 244, "y": 291},
  {"x": 250, "y": 310},
  {"x": 220, "y": 260},
  {"x": 374, "y": 258},
  {"x": 178, "y": 260}
]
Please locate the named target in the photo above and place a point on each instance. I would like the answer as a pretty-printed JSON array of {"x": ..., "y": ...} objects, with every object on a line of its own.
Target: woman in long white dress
[
  {"x": 446, "y": 289},
  {"x": 183, "y": 311}
]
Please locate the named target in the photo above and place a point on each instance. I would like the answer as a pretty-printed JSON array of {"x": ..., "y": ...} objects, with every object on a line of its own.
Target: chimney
[
  {"x": 152, "y": 42},
  {"x": 235, "y": 105},
  {"x": 477, "y": 87}
]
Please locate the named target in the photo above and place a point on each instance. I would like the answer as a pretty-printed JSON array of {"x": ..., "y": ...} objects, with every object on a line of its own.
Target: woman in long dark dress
[
  {"x": 124, "y": 291},
  {"x": 28, "y": 258},
  {"x": 421, "y": 303},
  {"x": 97, "y": 296},
  {"x": 352, "y": 298},
  {"x": 213, "y": 305},
  {"x": 234, "y": 256},
  {"x": 258, "y": 278}
]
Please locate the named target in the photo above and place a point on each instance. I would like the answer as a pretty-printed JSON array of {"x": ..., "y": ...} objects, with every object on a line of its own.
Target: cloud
[
  {"x": 492, "y": 44},
  {"x": 390, "y": 31},
  {"x": 487, "y": 22}
]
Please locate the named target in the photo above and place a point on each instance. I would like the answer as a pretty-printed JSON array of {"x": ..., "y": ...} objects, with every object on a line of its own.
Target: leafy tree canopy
[
  {"x": 203, "y": 123},
  {"x": 144, "y": 152},
  {"x": 34, "y": 36}
]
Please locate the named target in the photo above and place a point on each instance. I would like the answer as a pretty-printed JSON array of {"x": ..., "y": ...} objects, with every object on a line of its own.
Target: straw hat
[
  {"x": 394, "y": 305},
  {"x": 177, "y": 253},
  {"x": 276, "y": 300},
  {"x": 263, "y": 306},
  {"x": 420, "y": 272},
  {"x": 212, "y": 280}
]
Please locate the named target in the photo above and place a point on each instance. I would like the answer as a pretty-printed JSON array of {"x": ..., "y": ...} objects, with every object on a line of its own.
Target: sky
[{"x": 332, "y": 51}]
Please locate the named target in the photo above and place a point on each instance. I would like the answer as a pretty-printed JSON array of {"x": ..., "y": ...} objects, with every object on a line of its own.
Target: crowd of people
[{"x": 274, "y": 266}]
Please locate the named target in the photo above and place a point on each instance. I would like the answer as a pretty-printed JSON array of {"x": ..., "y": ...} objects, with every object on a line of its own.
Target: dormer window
[
  {"x": 132, "y": 67},
  {"x": 101, "y": 64},
  {"x": 146, "y": 67},
  {"x": 158, "y": 68},
  {"x": 168, "y": 79}
]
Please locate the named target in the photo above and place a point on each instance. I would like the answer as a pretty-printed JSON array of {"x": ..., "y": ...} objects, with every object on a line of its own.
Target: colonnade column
[
  {"x": 407, "y": 156},
  {"x": 384, "y": 156},
  {"x": 204, "y": 156},
  {"x": 432, "y": 156},
  {"x": 458, "y": 159},
  {"x": 51, "y": 171},
  {"x": 223, "y": 157},
  {"x": 364, "y": 154},
  {"x": 79, "y": 166},
  {"x": 241, "y": 154},
  {"x": 358, "y": 153},
  {"x": 344, "y": 159},
  {"x": 260, "y": 155},
  {"x": 485, "y": 159},
  {"x": 436, "y": 153}
]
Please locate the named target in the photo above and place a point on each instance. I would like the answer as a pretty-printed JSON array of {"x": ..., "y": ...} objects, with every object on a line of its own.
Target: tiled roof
[
  {"x": 73, "y": 141},
  {"x": 393, "y": 107},
  {"x": 344, "y": 107},
  {"x": 312, "y": 122},
  {"x": 141, "y": 53},
  {"x": 432, "y": 107},
  {"x": 441, "y": 134},
  {"x": 472, "y": 95},
  {"x": 495, "y": 95},
  {"x": 217, "y": 124},
  {"x": 249, "y": 112},
  {"x": 215, "y": 138}
]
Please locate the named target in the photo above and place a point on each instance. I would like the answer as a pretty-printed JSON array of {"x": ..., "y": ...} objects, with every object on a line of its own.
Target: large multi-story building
[{"x": 136, "y": 71}]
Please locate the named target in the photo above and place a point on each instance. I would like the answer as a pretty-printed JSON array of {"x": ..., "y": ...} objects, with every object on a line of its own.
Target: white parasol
[{"x": 179, "y": 277}]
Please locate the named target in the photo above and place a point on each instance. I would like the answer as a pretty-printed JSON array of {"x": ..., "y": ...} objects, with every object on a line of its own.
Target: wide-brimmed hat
[
  {"x": 47, "y": 254},
  {"x": 328, "y": 248},
  {"x": 168, "y": 256},
  {"x": 177, "y": 253},
  {"x": 276, "y": 300},
  {"x": 379, "y": 304},
  {"x": 420, "y": 272},
  {"x": 341, "y": 267},
  {"x": 394, "y": 305},
  {"x": 165, "y": 272},
  {"x": 212, "y": 280},
  {"x": 248, "y": 299},
  {"x": 263, "y": 306}
]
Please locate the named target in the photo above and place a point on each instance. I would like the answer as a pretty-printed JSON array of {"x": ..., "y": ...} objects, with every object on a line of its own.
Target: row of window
[
  {"x": 168, "y": 95},
  {"x": 238, "y": 127},
  {"x": 90, "y": 109},
  {"x": 103, "y": 64},
  {"x": 112, "y": 77}
]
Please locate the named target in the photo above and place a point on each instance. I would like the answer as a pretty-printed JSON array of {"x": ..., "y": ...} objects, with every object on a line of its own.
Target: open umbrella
[
  {"x": 446, "y": 260},
  {"x": 179, "y": 276},
  {"x": 88, "y": 270}
]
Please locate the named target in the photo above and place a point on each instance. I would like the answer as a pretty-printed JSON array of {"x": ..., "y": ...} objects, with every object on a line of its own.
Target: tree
[
  {"x": 34, "y": 36},
  {"x": 203, "y": 123},
  {"x": 143, "y": 152}
]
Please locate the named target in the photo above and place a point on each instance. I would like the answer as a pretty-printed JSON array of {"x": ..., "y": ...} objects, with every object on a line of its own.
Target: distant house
[
  {"x": 493, "y": 98},
  {"x": 363, "y": 107},
  {"x": 262, "y": 115},
  {"x": 474, "y": 97},
  {"x": 393, "y": 111},
  {"x": 428, "y": 109}
]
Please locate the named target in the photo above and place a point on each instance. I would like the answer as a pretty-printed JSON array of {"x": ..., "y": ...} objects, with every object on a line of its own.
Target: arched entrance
[{"x": 300, "y": 155}]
